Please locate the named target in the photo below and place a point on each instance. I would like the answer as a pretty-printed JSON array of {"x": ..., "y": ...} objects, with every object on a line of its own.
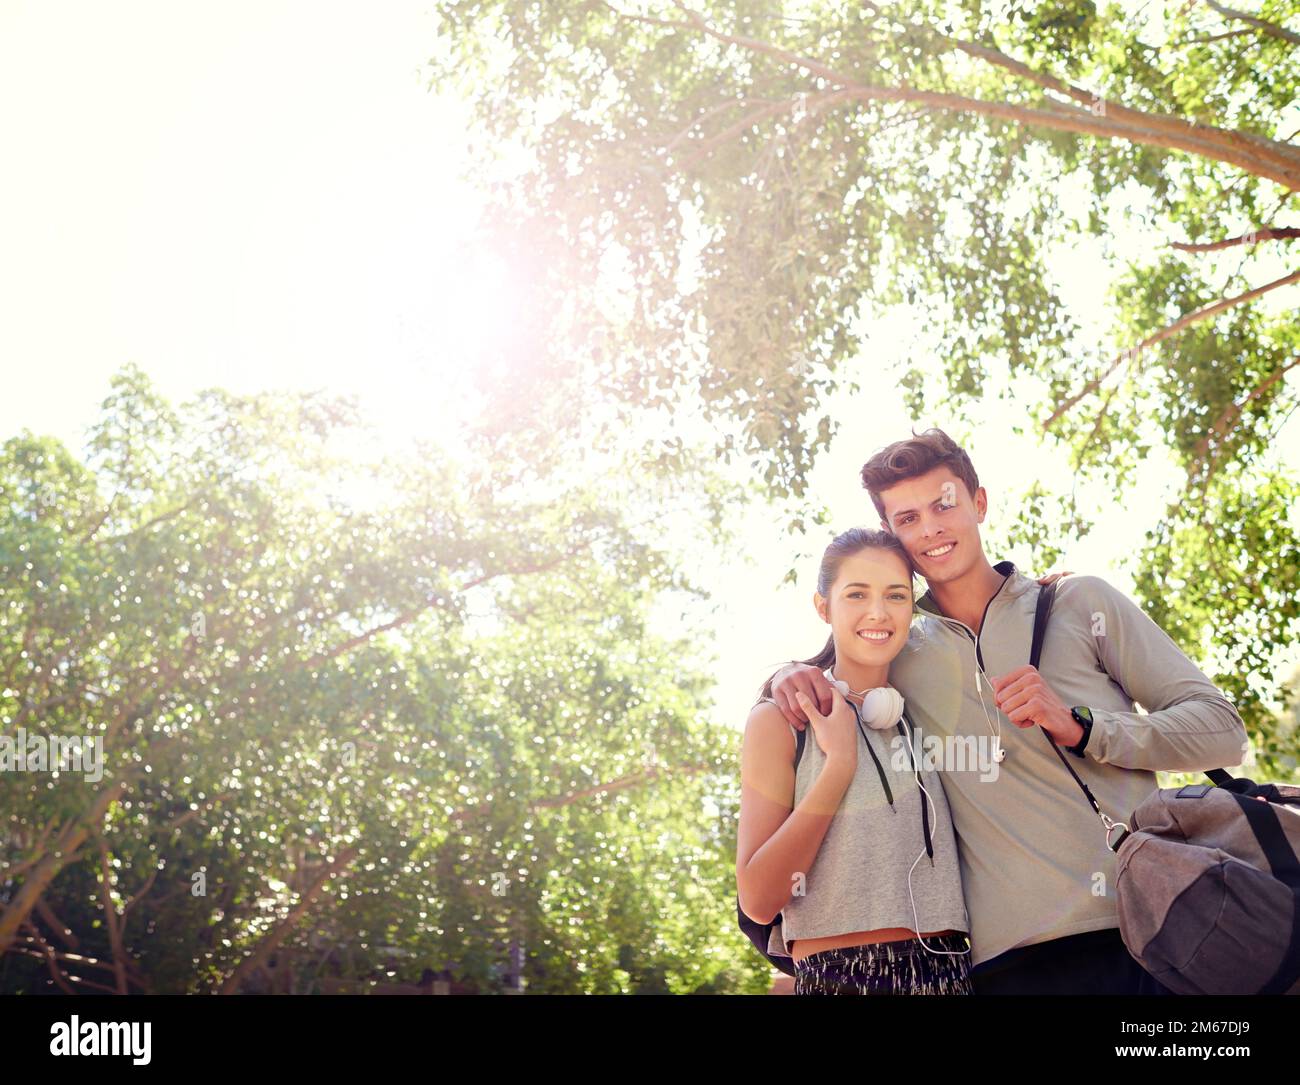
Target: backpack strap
[{"x": 1042, "y": 610}]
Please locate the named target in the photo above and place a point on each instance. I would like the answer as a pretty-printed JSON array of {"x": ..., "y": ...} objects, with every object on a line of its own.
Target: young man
[{"x": 1038, "y": 875}]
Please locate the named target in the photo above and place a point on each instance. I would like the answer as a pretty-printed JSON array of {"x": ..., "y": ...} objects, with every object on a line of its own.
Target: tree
[
  {"x": 339, "y": 702},
  {"x": 767, "y": 172}
]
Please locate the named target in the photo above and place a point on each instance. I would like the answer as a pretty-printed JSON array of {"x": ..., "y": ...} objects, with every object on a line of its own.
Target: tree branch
[
  {"x": 189, "y": 815},
  {"x": 1274, "y": 233},
  {"x": 1277, "y": 152},
  {"x": 410, "y": 615},
  {"x": 70, "y": 838},
  {"x": 1255, "y": 154},
  {"x": 285, "y": 926},
  {"x": 55, "y": 971},
  {"x": 1230, "y": 413},
  {"x": 160, "y": 518},
  {"x": 1206, "y": 41},
  {"x": 708, "y": 115},
  {"x": 819, "y": 102},
  {"x": 1271, "y": 29},
  {"x": 38, "y": 849},
  {"x": 1165, "y": 333},
  {"x": 112, "y": 921},
  {"x": 26, "y": 947},
  {"x": 61, "y": 930},
  {"x": 1096, "y": 429},
  {"x": 622, "y": 783}
]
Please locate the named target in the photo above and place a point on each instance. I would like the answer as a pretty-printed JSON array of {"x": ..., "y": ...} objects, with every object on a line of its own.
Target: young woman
[{"x": 854, "y": 849}]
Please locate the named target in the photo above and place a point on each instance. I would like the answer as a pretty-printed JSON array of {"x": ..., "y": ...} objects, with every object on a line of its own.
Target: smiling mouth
[
  {"x": 875, "y": 636},
  {"x": 939, "y": 551}
]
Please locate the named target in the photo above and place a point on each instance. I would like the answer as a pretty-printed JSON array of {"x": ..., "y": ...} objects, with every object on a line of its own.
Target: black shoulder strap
[
  {"x": 1221, "y": 777},
  {"x": 1041, "y": 613},
  {"x": 800, "y": 733}
]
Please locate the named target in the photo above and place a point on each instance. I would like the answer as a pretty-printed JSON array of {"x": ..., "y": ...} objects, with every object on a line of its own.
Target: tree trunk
[{"x": 72, "y": 836}]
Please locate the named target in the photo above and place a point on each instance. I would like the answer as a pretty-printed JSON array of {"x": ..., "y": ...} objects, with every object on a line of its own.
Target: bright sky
[
  {"x": 246, "y": 195},
  {"x": 261, "y": 196}
]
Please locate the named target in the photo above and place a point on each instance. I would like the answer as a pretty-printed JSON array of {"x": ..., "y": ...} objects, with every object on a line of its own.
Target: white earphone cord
[
  {"x": 916, "y": 772},
  {"x": 995, "y": 729},
  {"x": 997, "y": 737}
]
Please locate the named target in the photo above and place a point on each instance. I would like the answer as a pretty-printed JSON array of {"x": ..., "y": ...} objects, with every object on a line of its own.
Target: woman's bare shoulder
[
  {"x": 768, "y": 727},
  {"x": 767, "y": 709}
]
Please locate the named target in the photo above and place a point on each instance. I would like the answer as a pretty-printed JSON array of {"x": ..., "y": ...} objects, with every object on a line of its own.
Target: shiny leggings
[{"x": 887, "y": 968}]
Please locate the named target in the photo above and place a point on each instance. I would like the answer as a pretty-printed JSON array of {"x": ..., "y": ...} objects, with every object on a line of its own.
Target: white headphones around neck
[{"x": 881, "y": 708}]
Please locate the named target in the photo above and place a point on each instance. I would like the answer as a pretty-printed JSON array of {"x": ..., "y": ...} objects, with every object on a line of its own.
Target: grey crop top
[{"x": 858, "y": 881}]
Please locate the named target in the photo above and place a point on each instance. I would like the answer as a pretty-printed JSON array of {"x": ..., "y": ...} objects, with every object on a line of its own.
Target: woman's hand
[
  {"x": 1051, "y": 578},
  {"x": 837, "y": 732}
]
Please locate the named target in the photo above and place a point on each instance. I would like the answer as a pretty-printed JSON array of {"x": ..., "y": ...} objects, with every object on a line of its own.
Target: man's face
[{"x": 938, "y": 521}]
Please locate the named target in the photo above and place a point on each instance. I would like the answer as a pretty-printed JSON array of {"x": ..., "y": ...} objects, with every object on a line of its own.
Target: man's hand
[
  {"x": 1052, "y": 578},
  {"x": 1026, "y": 699},
  {"x": 801, "y": 678}
]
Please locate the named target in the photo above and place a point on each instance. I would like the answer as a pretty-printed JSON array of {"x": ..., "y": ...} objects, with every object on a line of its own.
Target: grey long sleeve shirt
[{"x": 1034, "y": 860}]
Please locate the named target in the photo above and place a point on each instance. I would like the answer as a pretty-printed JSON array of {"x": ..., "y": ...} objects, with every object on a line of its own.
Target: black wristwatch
[{"x": 1083, "y": 717}]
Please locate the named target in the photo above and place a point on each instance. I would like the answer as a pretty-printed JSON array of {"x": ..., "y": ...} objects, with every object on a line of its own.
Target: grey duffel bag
[
  {"x": 1208, "y": 887},
  {"x": 1207, "y": 880}
]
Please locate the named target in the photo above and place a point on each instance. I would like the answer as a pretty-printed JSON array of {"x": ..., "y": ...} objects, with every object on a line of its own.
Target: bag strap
[
  {"x": 1270, "y": 835},
  {"x": 1042, "y": 612},
  {"x": 1220, "y": 777}
]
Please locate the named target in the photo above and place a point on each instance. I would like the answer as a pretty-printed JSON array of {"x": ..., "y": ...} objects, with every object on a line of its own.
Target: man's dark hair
[{"x": 921, "y": 453}]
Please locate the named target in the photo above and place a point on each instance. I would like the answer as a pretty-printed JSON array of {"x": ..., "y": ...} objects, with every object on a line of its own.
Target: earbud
[
  {"x": 881, "y": 707},
  {"x": 999, "y": 754}
]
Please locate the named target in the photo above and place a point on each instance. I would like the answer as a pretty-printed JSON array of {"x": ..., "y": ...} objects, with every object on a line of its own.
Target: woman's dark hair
[{"x": 851, "y": 542}]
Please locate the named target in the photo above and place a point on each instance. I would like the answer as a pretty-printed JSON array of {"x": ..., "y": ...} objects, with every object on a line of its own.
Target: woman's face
[{"x": 869, "y": 607}]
